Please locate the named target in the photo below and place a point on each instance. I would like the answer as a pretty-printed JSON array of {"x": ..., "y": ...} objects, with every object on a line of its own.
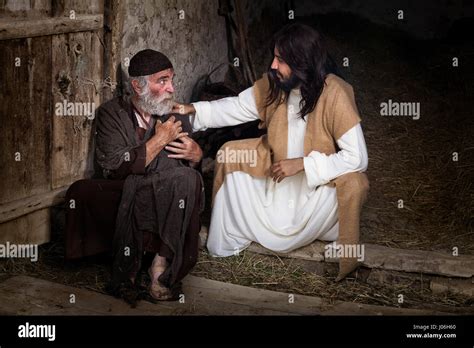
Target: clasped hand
[
  {"x": 169, "y": 132},
  {"x": 285, "y": 168}
]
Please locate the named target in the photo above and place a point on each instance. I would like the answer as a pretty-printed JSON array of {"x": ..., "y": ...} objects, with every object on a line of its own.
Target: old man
[{"x": 138, "y": 140}]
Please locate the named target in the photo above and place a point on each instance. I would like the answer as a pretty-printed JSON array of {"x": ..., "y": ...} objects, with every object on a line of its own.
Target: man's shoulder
[
  {"x": 113, "y": 105},
  {"x": 262, "y": 82},
  {"x": 334, "y": 84},
  {"x": 113, "y": 111}
]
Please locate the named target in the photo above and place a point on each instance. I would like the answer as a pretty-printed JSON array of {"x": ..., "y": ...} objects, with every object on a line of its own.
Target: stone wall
[{"x": 195, "y": 44}]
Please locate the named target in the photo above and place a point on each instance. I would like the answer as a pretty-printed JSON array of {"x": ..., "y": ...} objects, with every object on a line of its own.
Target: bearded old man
[
  {"x": 308, "y": 181},
  {"x": 138, "y": 140}
]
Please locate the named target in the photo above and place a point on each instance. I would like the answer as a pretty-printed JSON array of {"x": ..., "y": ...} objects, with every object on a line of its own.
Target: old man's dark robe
[{"x": 160, "y": 203}]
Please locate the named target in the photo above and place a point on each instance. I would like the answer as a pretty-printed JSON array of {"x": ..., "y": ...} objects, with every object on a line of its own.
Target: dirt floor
[
  {"x": 247, "y": 269},
  {"x": 408, "y": 159}
]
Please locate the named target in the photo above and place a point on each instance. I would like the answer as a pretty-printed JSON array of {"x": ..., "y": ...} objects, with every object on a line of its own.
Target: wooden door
[{"x": 52, "y": 62}]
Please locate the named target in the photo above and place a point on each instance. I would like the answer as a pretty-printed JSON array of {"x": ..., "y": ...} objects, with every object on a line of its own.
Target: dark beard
[{"x": 287, "y": 84}]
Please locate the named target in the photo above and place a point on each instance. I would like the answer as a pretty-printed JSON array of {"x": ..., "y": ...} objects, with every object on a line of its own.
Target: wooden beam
[
  {"x": 202, "y": 297},
  {"x": 49, "y": 26},
  {"x": 12, "y": 210},
  {"x": 378, "y": 256},
  {"x": 206, "y": 292},
  {"x": 42, "y": 297},
  {"x": 33, "y": 228},
  {"x": 419, "y": 261},
  {"x": 113, "y": 31}
]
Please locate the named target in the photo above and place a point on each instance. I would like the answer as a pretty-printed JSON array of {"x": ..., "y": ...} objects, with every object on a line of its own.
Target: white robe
[{"x": 279, "y": 216}]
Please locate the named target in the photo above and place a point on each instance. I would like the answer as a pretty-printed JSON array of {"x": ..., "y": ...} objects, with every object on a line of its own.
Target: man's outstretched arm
[{"x": 220, "y": 113}]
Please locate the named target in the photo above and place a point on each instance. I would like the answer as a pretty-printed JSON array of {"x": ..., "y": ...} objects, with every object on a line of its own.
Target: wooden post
[{"x": 114, "y": 18}]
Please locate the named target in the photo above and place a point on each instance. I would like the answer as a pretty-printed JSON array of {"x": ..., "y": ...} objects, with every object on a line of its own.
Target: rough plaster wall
[{"x": 195, "y": 45}]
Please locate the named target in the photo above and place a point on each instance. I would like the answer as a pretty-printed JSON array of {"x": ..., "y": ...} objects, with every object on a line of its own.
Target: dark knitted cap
[{"x": 148, "y": 62}]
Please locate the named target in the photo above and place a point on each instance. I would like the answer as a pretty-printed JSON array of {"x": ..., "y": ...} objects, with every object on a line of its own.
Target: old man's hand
[
  {"x": 186, "y": 149},
  {"x": 169, "y": 130}
]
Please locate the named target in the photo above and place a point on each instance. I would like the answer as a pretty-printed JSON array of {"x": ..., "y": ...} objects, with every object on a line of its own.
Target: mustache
[
  {"x": 164, "y": 97},
  {"x": 275, "y": 74},
  {"x": 279, "y": 77},
  {"x": 156, "y": 104}
]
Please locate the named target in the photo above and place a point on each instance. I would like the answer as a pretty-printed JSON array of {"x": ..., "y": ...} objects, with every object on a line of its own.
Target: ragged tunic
[
  {"x": 287, "y": 215},
  {"x": 160, "y": 203}
]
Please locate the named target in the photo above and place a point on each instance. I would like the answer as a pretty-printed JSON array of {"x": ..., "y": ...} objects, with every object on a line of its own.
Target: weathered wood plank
[
  {"x": 311, "y": 252},
  {"x": 23, "y": 295},
  {"x": 34, "y": 228},
  {"x": 64, "y": 7},
  {"x": 419, "y": 261},
  {"x": 12, "y": 210},
  {"x": 25, "y": 9},
  {"x": 30, "y": 296},
  {"x": 209, "y": 291},
  {"x": 25, "y": 109},
  {"x": 114, "y": 19},
  {"x": 77, "y": 73},
  {"x": 377, "y": 256},
  {"x": 16, "y": 29}
]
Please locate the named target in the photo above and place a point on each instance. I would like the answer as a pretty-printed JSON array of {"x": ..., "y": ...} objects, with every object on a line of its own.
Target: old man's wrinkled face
[{"x": 156, "y": 96}]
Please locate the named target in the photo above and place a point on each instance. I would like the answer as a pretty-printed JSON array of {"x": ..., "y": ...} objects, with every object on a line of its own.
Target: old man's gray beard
[{"x": 154, "y": 105}]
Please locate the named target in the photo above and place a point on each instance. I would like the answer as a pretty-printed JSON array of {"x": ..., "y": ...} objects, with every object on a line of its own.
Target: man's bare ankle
[{"x": 159, "y": 261}]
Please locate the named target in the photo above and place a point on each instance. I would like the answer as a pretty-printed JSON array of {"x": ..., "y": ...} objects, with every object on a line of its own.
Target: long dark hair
[{"x": 304, "y": 50}]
